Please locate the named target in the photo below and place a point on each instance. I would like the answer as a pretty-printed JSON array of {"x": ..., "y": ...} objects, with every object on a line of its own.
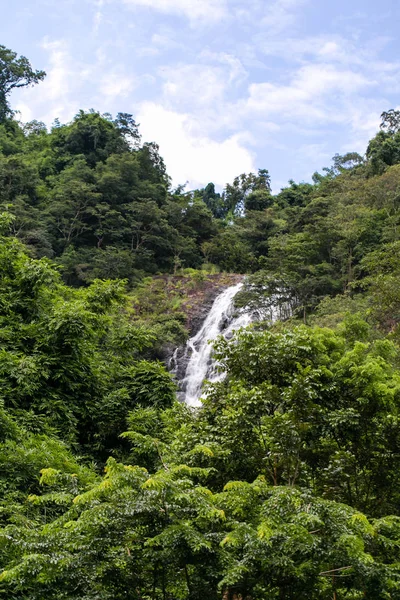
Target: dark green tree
[{"x": 15, "y": 72}]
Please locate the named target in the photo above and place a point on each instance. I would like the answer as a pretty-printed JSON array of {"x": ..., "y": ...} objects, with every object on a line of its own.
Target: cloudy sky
[{"x": 223, "y": 86}]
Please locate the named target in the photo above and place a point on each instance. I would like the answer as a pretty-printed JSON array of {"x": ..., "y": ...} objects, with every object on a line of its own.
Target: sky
[{"x": 223, "y": 86}]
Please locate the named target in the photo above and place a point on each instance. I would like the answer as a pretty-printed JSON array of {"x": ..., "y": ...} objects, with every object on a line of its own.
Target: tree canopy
[
  {"x": 15, "y": 72},
  {"x": 284, "y": 484}
]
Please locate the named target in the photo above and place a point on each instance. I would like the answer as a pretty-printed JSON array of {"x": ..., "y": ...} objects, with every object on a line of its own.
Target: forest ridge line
[{"x": 285, "y": 483}]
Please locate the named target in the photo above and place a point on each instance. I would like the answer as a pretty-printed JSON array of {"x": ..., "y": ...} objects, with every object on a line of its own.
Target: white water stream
[{"x": 222, "y": 319}]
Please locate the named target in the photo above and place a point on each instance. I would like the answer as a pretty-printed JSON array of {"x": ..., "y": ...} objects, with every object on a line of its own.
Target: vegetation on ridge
[{"x": 285, "y": 484}]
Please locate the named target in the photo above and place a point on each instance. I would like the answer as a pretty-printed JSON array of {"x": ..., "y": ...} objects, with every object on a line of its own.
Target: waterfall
[{"x": 222, "y": 319}]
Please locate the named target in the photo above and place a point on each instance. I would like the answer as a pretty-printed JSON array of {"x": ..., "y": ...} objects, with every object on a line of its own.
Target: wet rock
[{"x": 194, "y": 363}]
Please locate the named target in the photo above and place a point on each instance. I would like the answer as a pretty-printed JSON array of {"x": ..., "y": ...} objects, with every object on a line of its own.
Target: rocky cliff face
[
  {"x": 177, "y": 305},
  {"x": 200, "y": 300},
  {"x": 196, "y": 364},
  {"x": 196, "y": 307}
]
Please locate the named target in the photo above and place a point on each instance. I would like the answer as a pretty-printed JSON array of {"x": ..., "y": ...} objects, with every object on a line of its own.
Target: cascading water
[{"x": 222, "y": 319}]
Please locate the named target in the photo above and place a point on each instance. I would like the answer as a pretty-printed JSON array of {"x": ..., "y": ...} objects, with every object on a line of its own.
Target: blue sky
[{"x": 224, "y": 86}]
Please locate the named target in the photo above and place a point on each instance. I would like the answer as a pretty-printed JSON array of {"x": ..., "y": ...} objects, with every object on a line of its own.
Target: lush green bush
[{"x": 284, "y": 484}]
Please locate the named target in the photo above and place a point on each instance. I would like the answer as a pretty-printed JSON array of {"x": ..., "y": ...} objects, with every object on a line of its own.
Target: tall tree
[{"x": 14, "y": 73}]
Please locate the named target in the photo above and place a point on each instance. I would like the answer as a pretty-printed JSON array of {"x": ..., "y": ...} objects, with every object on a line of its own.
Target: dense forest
[{"x": 285, "y": 484}]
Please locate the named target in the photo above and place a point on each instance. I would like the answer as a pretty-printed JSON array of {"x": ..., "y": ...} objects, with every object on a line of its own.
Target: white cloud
[
  {"x": 98, "y": 15},
  {"x": 97, "y": 20},
  {"x": 210, "y": 10},
  {"x": 52, "y": 99},
  {"x": 163, "y": 40},
  {"x": 116, "y": 84},
  {"x": 324, "y": 78},
  {"x": 56, "y": 82},
  {"x": 67, "y": 81},
  {"x": 297, "y": 49},
  {"x": 322, "y": 48},
  {"x": 311, "y": 94},
  {"x": 272, "y": 16},
  {"x": 237, "y": 72},
  {"x": 160, "y": 42},
  {"x": 188, "y": 153},
  {"x": 205, "y": 90},
  {"x": 364, "y": 119},
  {"x": 193, "y": 84},
  {"x": 280, "y": 14}
]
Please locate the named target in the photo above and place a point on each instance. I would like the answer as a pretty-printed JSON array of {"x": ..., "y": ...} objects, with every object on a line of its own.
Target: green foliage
[
  {"x": 142, "y": 535},
  {"x": 71, "y": 356},
  {"x": 14, "y": 73},
  {"x": 284, "y": 484},
  {"x": 308, "y": 407},
  {"x": 91, "y": 196}
]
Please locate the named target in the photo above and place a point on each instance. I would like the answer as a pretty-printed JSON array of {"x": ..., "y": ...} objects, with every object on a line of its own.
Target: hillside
[{"x": 285, "y": 483}]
